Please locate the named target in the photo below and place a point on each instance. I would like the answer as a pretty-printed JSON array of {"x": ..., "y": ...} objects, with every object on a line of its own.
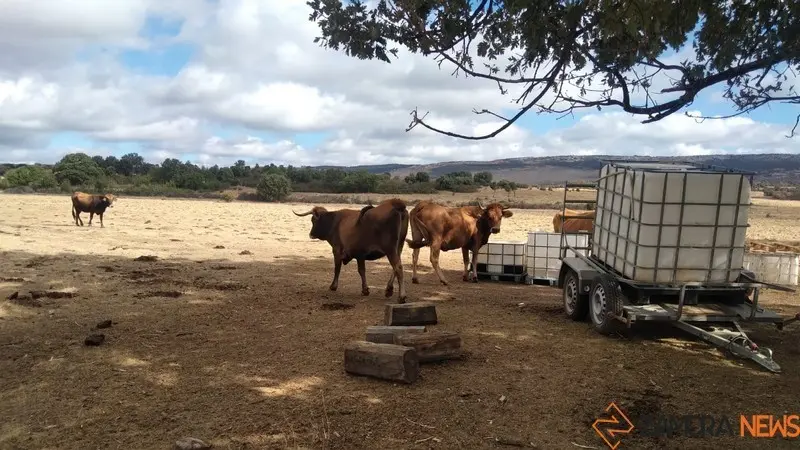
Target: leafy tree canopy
[
  {"x": 568, "y": 55},
  {"x": 77, "y": 169}
]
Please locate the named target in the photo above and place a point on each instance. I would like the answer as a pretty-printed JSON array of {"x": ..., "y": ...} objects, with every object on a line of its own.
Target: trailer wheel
[
  {"x": 576, "y": 305},
  {"x": 606, "y": 299}
]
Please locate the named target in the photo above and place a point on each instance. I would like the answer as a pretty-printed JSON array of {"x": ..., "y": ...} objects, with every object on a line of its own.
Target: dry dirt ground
[{"x": 246, "y": 350}]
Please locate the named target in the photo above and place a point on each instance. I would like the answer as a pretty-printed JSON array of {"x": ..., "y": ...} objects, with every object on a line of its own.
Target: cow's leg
[
  {"x": 91, "y": 216},
  {"x": 362, "y": 271},
  {"x": 337, "y": 267},
  {"x": 435, "y": 247},
  {"x": 101, "y": 220},
  {"x": 414, "y": 262},
  {"x": 397, "y": 271},
  {"x": 465, "y": 254},
  {"x": 390, "y": 284},
  {"x": 475, "y": 265}
]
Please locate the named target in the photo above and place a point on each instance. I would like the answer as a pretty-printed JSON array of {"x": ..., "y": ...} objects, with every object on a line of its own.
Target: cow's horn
[
  {"x": 481, "y": 205},
  {"x": 304, "y": 214}
]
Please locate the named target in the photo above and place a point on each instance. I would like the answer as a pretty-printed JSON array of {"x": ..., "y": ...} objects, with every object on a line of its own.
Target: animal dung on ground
[
  {"x": 432, "y": 346},
  {"x": 385, "y": 334},
  {"x": 94, "y": 340},
  {"x": 55, "y": 293},
  {"x": 104, "y": 324},
  {"x": 146, "y": 258},
  {"x": 413, "y": 313},
  {"x": 384, "y": 361},
  {"x": 191, "y": 443},
  {"x": 336, "y": 306}
]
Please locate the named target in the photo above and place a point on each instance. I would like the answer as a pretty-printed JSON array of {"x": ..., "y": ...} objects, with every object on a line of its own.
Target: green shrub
[{"x": 273, "y": 187}]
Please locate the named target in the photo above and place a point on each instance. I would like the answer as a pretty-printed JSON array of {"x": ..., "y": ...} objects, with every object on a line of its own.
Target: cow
[
  {"x": 93, "y": 204},
  {"x": 442, "y": 229},
  {"x": 576, "y": 221},
  {"x": 372, "y": 233}
]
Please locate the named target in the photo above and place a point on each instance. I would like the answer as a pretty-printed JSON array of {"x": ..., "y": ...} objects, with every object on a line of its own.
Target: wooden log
[
  {"x": 432, "y": 346},
  {"x": 385, "y": 334},
  {"x": 413, "y": 313},
  {"x": 384, "y": 361}
]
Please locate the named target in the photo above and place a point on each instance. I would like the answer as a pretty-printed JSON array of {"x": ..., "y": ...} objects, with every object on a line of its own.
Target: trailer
[{"x": 667, "y": 244}]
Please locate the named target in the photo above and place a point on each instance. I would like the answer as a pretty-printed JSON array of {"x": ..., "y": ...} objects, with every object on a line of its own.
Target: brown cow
[
  {"x": 579, "y": 221},
  {"x": 365, "y": 235},
  {"x": 442, "y": 229},
  {"x": 93, "y": 204}
]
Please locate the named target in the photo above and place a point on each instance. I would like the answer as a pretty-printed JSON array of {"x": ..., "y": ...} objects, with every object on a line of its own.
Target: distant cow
[
  {"x": 93, "y": 204},
  {"x": 576, "y": 221},
  {"x": 365, "y": 235},
  {"x": 442, "y": 229}
]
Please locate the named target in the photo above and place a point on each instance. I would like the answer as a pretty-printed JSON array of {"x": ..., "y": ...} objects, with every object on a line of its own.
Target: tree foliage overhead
[{"x": 585, "y": 54}]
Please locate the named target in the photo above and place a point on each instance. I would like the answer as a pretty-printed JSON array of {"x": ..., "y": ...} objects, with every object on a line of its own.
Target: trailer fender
[{"x": 586, "y": 273}]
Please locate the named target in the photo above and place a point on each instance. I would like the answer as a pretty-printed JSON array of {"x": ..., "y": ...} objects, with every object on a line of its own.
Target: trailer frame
[{"x": 708, "y": 310}]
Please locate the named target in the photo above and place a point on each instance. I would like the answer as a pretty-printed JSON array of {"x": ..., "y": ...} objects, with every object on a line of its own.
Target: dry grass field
[{"x": 233, "y": 337}]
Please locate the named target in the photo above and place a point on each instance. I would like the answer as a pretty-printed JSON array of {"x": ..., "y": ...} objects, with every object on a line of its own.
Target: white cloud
[{"x": 256, "y": 67}]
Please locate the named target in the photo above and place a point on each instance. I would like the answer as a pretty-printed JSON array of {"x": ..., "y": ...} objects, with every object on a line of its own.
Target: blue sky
[{"x": 217, "y": 82}]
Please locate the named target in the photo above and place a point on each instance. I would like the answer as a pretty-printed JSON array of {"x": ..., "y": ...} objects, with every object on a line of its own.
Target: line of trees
[{"x": 132, "y": 175}]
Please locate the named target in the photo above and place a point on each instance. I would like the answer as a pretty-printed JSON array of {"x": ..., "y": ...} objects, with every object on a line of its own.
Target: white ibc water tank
[{"x": 665, "y": 223}]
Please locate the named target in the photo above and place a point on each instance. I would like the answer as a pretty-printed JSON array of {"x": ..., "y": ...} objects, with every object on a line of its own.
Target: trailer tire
[
  {"x": 606, "y": 299},
  {"x": 576, "y": 304}
]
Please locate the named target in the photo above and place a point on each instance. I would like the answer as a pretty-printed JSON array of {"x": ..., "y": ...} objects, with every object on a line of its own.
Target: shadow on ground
[{"x": 249, "y": 355}]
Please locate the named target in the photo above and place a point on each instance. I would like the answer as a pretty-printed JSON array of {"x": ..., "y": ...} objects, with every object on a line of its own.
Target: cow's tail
[
  {"x": 417, "y": 225},
  {"x": 399, "y": 207},
  {"x": 363, "y": 211}
]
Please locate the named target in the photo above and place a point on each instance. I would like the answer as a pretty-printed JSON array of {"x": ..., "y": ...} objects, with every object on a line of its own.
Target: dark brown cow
[
  {"x": 93, "y": 204},
  {"x": 442, "y": 229},
  {"x": 365, "y": 235},
  {"x": 577, "y": 221}
]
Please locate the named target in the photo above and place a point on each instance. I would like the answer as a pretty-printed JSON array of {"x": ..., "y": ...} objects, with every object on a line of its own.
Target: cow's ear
[{"x": 507, "y": 213}]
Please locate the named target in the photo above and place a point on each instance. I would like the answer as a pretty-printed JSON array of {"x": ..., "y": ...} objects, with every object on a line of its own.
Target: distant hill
[
  {"x": 775, "y": 168},
  {"x": 770, "y": 168}
]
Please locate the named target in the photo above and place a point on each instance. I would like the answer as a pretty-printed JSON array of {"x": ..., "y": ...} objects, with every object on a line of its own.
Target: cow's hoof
[
  {"x": 415, "y": 280},
  {"x": 401, "y": 299},
  {"x": 365, "y": 292},
  {"x": 389, "y": 293},
  {"x": 444, "y": 283},
  {"x": 333, "y": 287},
  {"x": 475, "y": 280}
]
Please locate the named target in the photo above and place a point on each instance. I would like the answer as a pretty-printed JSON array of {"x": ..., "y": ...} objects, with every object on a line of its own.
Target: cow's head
[
  {"x": 108, "y": 199},
  {"x": 321, "y": 222},
  {"x": 492, "y": 215}
]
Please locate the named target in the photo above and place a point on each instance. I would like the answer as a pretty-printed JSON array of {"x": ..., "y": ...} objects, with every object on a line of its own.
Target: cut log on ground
[
  {"x": 385, "y": 334},
  {"x": 384, "y": 361},
  {"x": 413, "y": 313},
  {"x": 432, "y": 346}
]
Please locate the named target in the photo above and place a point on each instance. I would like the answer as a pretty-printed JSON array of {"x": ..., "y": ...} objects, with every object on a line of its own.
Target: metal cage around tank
[{"x": 642, "y": 169}]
